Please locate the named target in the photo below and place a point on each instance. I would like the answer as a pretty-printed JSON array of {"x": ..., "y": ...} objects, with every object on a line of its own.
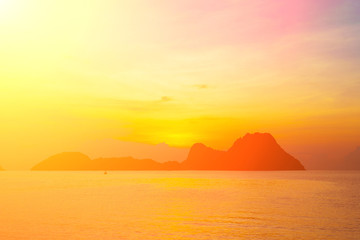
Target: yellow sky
[{"x": 177, "y": 72}]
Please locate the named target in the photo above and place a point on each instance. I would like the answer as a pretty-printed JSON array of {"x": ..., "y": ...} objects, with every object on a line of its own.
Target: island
[
  {"x": 253, "y": 152},
  {"x": 351, "y": 161}
]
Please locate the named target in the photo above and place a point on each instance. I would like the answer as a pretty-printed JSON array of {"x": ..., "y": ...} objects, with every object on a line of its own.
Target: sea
[{"x": 162, "y": 205}]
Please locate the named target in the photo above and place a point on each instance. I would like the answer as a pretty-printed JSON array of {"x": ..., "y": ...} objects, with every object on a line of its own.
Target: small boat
[{"x": 105, "y": 172}]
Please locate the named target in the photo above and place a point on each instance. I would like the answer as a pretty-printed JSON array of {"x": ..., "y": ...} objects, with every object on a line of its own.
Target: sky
[{"x": 178, "y": 72}]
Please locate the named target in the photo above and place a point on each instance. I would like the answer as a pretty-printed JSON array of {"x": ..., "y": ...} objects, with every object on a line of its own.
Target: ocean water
[{"x": 199, "y": 205}]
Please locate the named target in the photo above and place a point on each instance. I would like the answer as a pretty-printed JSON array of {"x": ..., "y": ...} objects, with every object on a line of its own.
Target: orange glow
[{"x": 178, "y": 72}]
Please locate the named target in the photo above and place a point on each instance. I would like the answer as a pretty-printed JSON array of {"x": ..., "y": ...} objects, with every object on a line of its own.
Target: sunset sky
[{"x": 178, "y": 72}]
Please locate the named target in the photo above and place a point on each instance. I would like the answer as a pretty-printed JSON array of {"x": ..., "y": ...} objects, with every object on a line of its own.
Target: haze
[{"x": 178, "y": 72}]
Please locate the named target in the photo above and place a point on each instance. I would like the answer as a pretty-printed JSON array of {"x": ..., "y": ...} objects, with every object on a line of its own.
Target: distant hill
[
  {"x": 129, "y": 163},
  {"x": 258, "y": 151},
  {"x": 109, "y": 148},
  {"x": 75, "y": 161},
  {"x": 351, "y": 161},
  {"x": 65, "y": 161}
]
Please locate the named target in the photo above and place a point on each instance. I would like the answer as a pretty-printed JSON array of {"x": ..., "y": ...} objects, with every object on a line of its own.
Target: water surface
[{"x": 180, "y": 205}]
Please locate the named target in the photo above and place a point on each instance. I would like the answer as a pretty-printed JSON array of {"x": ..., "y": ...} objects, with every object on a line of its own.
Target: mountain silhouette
[
  {"x": 129, "y": 163},
  {"x": 65, "y": 161},
  {"x": 202, "y": 157},
  {"x": 75, "y": 161},
  {"x": 351, "y": 161},
  {"x": 258, "y": 151},
  {"x": 109, "y": 148}
]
